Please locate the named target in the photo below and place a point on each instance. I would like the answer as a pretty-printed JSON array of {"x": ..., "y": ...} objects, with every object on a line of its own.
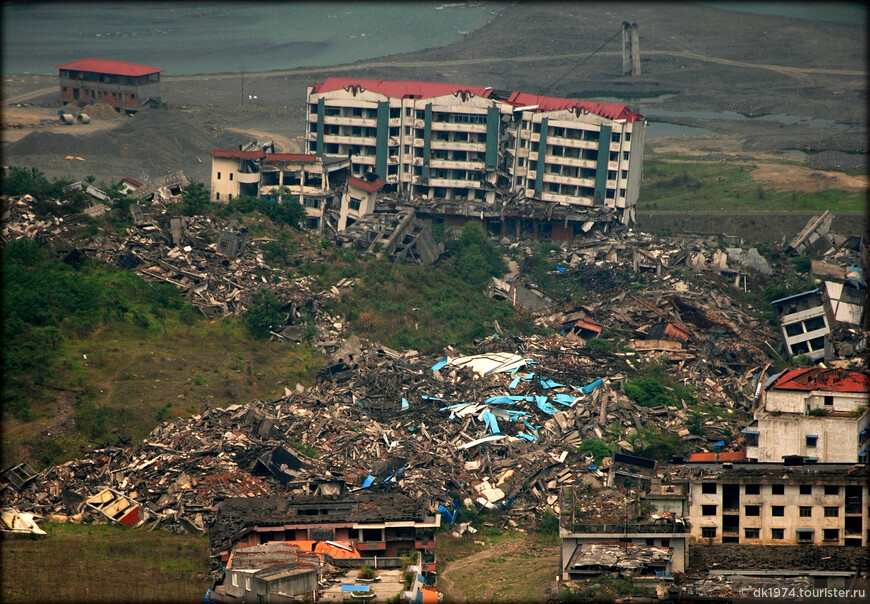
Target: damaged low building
[
  {"x": 777, "y": 504},
  {"x": 623, "y": 540},
  {"x": 312, "y": 180},
  {"x": 385, "y": 525},
  {"x": 816, "y": 413}
]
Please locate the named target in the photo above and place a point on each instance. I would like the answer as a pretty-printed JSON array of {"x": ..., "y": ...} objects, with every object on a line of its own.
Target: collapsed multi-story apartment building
[{"x": 526, "y": 164}]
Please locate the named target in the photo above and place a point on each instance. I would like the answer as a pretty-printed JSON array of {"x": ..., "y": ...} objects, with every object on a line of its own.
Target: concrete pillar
[
  {"x": 635, "y": 51},
  {"x": 626, "y": 48}
]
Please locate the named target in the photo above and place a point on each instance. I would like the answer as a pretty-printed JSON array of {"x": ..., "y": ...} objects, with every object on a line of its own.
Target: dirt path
[
  {"x": 516, "y": 568},
  {"x": 446, "y": 584},
  {"x": 796, "y": 72},
  {"x": 781, "y": 173}
]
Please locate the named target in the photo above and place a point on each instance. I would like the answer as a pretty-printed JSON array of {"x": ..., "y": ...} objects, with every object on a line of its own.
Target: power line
[{"x": 618, "y": 31}]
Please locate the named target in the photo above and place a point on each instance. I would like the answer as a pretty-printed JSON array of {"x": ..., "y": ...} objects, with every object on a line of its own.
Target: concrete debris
[{"x": 395, "y": 234}]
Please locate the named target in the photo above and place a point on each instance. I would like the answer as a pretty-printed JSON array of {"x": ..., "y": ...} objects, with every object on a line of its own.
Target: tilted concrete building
[{"x": 460, "y": 150}]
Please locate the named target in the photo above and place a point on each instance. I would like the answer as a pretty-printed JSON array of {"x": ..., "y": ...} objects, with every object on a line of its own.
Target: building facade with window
[
  {"x": 453, "y": 144},
  {"x": 314, "y": 181},
  {"x": 385, "y": 525},
  {"x": 124, "y": 86},
  {"x": 778, "y": 504},
  {"x": 816, "y": 413}
]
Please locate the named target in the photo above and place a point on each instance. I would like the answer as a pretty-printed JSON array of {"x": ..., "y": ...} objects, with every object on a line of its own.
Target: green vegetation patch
[
  {"x": 105, "y": 563},
  {"x": 696, "y": 186}
]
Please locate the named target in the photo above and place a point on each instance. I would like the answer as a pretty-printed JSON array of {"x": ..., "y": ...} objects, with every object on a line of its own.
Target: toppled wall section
[{"x": 394, "y": 234}]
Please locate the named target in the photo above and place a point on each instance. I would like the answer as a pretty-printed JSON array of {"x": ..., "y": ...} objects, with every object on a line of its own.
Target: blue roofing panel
[
  {"x": 347, "y": 587},
  {"x": 800, "y": 295}
]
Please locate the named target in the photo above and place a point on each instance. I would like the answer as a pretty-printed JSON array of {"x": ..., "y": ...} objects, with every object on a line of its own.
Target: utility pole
[{"x": 242, "y": 69}]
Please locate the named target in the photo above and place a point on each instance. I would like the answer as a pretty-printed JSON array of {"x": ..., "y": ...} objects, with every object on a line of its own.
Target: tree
[
  {"x": 477, "y": 258},
  {"x": 263, "y": 313},
  {"x": 194, "y": 198}
]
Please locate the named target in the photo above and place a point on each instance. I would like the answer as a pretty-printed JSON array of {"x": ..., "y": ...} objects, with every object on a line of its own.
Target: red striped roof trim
[
  {"x": 233, "y": 154},
  {"x": 613, "y": 111},
  {"x": 110, "y": 67},
  {"x": 366, "y": 185},
  {"x": 411, "y": 89},
  {"x": 135, "y": 183},
  {"x": 403, "y": 89}
]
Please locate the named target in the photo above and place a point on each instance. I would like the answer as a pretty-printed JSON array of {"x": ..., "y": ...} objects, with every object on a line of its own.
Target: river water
[{"x": 186, "y": 38}]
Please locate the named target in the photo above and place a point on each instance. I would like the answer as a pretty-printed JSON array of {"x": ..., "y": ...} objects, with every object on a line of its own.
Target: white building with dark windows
[
  {"x": 815, "y": 413},
  {"x": 461, "y": 147}
]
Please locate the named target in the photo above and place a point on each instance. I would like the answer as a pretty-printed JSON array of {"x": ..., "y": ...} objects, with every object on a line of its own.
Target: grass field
[
  {"x": 679, "y": 184},
  {"x": 511, "y": 567},
  {"x": 122, "y": 382},
  {"x": 105, "y": 563}
]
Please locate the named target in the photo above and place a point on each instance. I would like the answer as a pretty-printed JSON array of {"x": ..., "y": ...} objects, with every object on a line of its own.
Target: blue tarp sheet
[
  {"x": 564, "y": 399},
  {"x": 356, "y": 588},
  {"x": 590, "y": 387},
  {"x": 440, "y": 364},
  {"x": 548, "y": 383},
  {"x": 544, "y": 406},
  {"x": 368, "y": 482},
  {"x": 490, "y": 421}
]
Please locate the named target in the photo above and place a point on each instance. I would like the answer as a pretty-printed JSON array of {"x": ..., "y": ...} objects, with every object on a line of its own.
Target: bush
[
  {"x": 366, "y": 572},
  {"x": 802, "y": 264},
  {"x": 263, "y": 313},
  {"x": 597, "y": 447},
  {"x": 477, "y": 259},
  {"x": 818, "y": 412},
  {"x": 549, "y": 524},
  {"x": 648, "y": 392},
  {"x": 289, "y": 213},
  {"x": 194, "y": 198},
  {"x": 657, "y": 445}
]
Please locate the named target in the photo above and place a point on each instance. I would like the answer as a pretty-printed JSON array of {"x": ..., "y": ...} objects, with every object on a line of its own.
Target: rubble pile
[{"x": 376, "y": 418}]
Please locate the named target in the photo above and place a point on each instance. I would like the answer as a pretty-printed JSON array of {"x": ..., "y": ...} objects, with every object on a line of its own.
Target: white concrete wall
[
  {"x": 783, "y": 435},
  {"x": 221, "y": 185}
]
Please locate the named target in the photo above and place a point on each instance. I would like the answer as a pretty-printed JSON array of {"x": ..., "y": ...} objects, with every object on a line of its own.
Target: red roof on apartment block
[
  {"x": 110, "y": 67},
  {"x": 365, "y": 185},
  {"x": 234, "y": 154},
  {"x": 818, "y": 378},
  {"x": 400, "y": 88},
  {"x": 303, "y": 157},
  {"x": 422, "y": 90},
  {"x": 613, "y": 111}
]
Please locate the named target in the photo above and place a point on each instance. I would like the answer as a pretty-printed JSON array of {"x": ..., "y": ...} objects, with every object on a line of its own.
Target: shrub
[
  {"x": 802, "y": 264},
  {"x": 263, "y": 313},
  {"x": 818, "y": 412},
  {"x": 597, "y": 447},
  {"x": 549, "y": 523},
  {"x": 366, "y": 572},
  {"x": 648, "y": 392}
]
